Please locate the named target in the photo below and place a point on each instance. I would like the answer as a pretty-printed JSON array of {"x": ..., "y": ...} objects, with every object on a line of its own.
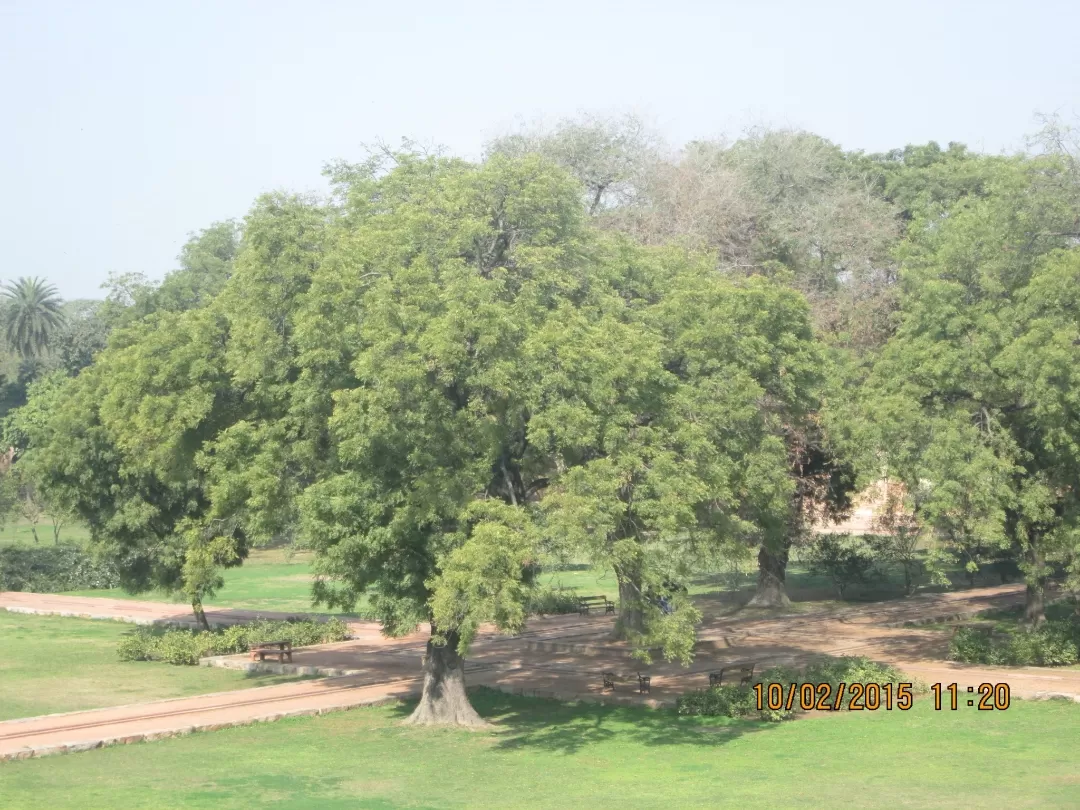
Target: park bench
[
  {"x": 644, "y": 684},
  {"x": 609, "y": 681},
  {"x": 587, "y": 602},
  {"x": 282, "y": 649},
  {"x": 745, "y": 673}
]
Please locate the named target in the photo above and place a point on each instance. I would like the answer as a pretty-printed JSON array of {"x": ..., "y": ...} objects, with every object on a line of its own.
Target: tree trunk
[
  {"x": 631, "y": 618},
  {"x": 772, "y": 572},
  {"x": 200, "y": 614},
  {"x": 444, "y": 701},
  {"x": 1035, "y": 603},
  {"x": 33, "y": 530}
]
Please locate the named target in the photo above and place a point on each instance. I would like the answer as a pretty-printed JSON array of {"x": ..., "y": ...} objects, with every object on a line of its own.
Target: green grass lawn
[
  {"x": 54, "y": 664},
  {"x": 20, "y": 533},
  {"x": 270, "y": 579},
  {"x": 279, "y": 580},
  {"x": 549, "y": 755}
]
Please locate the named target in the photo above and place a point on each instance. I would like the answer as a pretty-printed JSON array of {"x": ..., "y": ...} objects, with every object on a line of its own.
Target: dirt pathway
[{"x": 560, "y": 657}]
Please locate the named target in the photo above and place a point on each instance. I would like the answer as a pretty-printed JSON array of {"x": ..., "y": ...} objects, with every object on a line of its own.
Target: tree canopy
[
  {"x": 584, "y": 346},
  {"x": 449, "y": 377},
  {"x": 974, "y": 397}
]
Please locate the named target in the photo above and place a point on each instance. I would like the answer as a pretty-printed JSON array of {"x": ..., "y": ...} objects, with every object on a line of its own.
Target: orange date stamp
[{"x": 833, "y": 698}]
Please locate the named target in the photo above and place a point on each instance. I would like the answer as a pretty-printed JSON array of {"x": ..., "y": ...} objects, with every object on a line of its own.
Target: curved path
[{"x": 559, "y": 657}]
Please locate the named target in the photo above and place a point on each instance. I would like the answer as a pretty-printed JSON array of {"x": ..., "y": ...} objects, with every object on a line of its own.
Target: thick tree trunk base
[
  {"x": 444, "y": 701},
  {"x": 772, "y": 572},
  {"x": 770, "y": 595}
]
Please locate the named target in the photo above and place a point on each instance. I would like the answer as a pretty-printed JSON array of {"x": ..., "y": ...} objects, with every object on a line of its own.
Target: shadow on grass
[{"x": 523, "y": 723}]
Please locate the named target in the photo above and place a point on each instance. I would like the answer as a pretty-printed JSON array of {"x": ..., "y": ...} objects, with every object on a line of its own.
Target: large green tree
[
  {"x": 434, "y": 384},
  {"x": 974, "y": 397}
]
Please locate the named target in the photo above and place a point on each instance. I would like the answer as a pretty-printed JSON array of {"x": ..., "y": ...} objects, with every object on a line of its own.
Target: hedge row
[
  {"x": 50, "y": 569},
  {"x": 741, "y": 701},
  {"x": 179, "y": 646},
  {"x": 1055, "y": 644}
]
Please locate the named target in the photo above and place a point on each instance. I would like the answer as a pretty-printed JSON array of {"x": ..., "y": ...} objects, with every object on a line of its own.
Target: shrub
[
  {"x": 973, "y": 647},
  {"x": 900, "y": 549},
  {"x": 551, "y": 601},
  {"x": 718, "y": 701},
  {"x": 50, "y": 569},
  {"x": 844, "y": 559},
  {"x": 1056, "y": 643},
  {"x": 741, "y": 701},
  {"x": 180, "y": 646}
]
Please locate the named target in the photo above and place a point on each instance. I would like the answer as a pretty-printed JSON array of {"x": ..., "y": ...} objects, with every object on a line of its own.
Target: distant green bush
[
  {"x": 741, "y": 701},
  {"x": 180, "y": 646},
  {"x": 551, "y": 601},
  {"x": 845, "y": 559},
  {"x": 51, "y": 569},
  {"x": 1055, "y": 644}
]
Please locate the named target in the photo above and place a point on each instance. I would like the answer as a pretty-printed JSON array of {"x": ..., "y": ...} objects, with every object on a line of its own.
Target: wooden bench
[
  {"x": 609, "y": 681},
  {"x": 282, "y": 649},
  {"x": 745, "y": 673},
  {"x": 587, "y": 602}
]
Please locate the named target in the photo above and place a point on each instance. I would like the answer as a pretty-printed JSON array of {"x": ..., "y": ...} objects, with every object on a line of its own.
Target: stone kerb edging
[{"x": 32, "y": 752}]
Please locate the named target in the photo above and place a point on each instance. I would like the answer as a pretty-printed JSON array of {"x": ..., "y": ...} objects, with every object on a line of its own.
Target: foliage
[
  {"x": 974, "y": 398},
  {"x": 544, "y": 601},
  {"x": 844, "y": 559},
  {"x": 741, "y": 701},
  {"x": 115, "y": 447},
  {"x": 85, "y": 332},
  {"x": 53, "y": 569},
  {"x": 718, "y": 701},
  {"x": 179, "y": 646},
  {"x": 900, "y": 549},
  {"x": 609, "y": 157},
  {"x": 206, "y": 264},
  {"x": 32, "y": 315},
  {"x": 1055, "y": 643}
]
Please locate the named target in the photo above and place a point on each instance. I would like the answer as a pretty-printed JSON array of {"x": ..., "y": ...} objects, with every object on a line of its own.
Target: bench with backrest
[
  {"x": 282, "y": 649},
  {"x": 585, "y": 603},
  {"x": 744, "y": 673}
]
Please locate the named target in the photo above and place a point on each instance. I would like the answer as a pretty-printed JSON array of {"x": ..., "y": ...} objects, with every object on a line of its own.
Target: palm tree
[{"x": 32, "y": 315}]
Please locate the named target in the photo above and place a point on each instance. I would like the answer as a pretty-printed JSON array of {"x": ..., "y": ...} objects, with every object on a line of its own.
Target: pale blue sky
[{"x": 126, "y": 125}]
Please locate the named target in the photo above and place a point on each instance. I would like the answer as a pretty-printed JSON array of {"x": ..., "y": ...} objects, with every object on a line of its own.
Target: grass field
[
  {"x": 21, "y": 533},
  {"x": 549, "y": 755},
  {"x": 269, "y": 579},
  {"x": 276, "y": 579},
  {"x": 53, "y": 664}
]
